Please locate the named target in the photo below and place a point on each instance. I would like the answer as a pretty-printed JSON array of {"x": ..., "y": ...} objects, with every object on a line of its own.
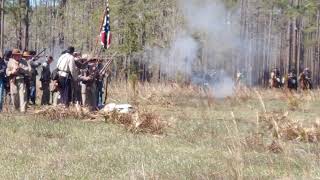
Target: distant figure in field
[
  {"x": 275, "y": 79},
  {"x": 240, "y": 79},
  {"x": 292, "y": 80},
  {"x": 305, "y": 79}
]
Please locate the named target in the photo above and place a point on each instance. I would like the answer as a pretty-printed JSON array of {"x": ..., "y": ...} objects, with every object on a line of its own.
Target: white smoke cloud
[
  {"x": 179, "y": 57},
  {"x": 219, "y": 36},
  {"x": 214, "y": 21}
]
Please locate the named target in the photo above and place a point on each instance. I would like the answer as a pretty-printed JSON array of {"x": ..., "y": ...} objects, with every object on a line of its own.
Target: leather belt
[
  {"x": 63, "y": 74},
  {"x": 19, "y": 77}
]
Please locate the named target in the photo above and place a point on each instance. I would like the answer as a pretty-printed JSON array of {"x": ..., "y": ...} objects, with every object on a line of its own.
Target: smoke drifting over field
[
  {"x": 202, "y": 47},
  {"x": 179, "y": 57}
]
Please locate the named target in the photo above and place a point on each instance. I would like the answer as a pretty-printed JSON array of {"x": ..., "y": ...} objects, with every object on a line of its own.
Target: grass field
[{"x": 206, "y": 138}]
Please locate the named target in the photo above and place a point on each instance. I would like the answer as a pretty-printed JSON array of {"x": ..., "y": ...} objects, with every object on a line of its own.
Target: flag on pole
[{"x": 105, "y": 29}]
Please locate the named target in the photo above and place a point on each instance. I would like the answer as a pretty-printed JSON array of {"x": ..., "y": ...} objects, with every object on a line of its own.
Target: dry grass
[
  {"x": 282, "y": 127},
  {"x": 202, "y": 140},
  {"x": 61, "y": 113},
  {"x": 138, "y": 122}
]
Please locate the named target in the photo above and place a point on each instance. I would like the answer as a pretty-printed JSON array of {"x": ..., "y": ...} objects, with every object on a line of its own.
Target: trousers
[
  {"x": 45, "y": 99},
  {"x": 18, "y": 94},
  {"x": 2, "y": 93},
  {"x": 65, "y": 90}
]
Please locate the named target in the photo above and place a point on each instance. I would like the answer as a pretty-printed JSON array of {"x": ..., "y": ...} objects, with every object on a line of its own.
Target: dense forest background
[{"x": 175, "y": 40}]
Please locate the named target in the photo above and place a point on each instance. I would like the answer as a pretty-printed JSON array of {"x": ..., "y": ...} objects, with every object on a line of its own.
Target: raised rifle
[
  {"x": 38, "y": 55},
  {"x": 105, "y": 68}
]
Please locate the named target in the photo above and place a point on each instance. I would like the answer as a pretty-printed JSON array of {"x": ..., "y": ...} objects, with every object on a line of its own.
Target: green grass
[{"x": 201, "y": 142}]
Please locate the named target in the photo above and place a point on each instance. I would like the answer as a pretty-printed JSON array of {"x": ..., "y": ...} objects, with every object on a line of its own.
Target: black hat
[
  {"x": 33, "y": 53},
  {"x": 63, "y": 52},
  {"x": 7, "y": 53},
  {"x": 70, "y": 50}
]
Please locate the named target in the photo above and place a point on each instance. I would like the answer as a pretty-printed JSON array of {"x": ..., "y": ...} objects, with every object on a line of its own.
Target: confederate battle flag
[{"x": 105, "y": 30}]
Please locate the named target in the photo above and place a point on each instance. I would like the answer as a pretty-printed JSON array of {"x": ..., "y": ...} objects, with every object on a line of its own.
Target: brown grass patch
[
  {"x": 138, "y": 122},
  {"x": 60, "y": 113},
  {"x": 282, "y": 127}
]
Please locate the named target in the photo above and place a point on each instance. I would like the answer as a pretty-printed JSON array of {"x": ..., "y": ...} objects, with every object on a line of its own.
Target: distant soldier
[
  {"x": 89, "y": 79},
  {"x": 305, "y": 79},
  {"x": 31, "y": 83},
  {"x": 292, "y": 80},
  {"x": 275, "y": 79},
  {"x": 3, "y": 81},
  {"x": 240, "y": 79},
  {"x": 17, "y": 70},
  {"x": 6, "y": 57},
  {"x": 67, "y": 73},
  {"x": 45, "y": 80}
]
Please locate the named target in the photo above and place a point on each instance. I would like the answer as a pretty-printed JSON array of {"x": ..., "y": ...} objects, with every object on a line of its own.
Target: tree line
[{"x": 274, "y": 33}]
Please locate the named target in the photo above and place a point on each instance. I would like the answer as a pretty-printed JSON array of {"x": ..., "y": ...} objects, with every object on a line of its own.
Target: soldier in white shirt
[{"x": 67, "y": 73}]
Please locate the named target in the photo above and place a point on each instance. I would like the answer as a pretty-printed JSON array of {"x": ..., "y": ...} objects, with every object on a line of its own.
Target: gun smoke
[{"x": 201, "y": 50}]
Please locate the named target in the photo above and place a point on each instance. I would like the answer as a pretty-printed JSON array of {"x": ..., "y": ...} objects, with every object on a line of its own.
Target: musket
[
  {"x": 38, "y": 55},
  {"x": 107, "y": 65}
]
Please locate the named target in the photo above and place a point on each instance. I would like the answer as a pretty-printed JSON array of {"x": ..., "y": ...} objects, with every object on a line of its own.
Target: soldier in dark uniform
[
  {"x": 45, "y": 80},
  {"x": 79, "y": 63},
  {"x": 6, "y": 57},
  {"x": 32, "y": 80},
  {"x": 100, "y": 85},
  {"x": 3, "y": 81},
  {"x": 292, "y": 80}
]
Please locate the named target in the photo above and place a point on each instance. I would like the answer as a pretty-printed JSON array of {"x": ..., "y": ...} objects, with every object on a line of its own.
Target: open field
[{"x": 205, "y": 138}]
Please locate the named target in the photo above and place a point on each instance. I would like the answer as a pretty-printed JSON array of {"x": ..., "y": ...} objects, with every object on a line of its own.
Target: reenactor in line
[
  {"x": 76, "y": 83},
  {"x": 66, "y": 75},
  {"x": 18, "y": 70},
  {"x": 89, "y": 76},
  {"x": 6, "y": 57},
  {"x": 54, "y": 88},
  {"x": 31, "y": 81},
  {"x": 100, "y": 85},
  {"x": 45, "y": 80},
  {"x": 3, "y": 81}
]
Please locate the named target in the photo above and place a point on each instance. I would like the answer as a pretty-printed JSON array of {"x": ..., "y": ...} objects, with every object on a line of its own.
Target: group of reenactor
[
  {"x": 292, "y": 82},
  {"x": 277, "y": 80},
  {"x": 18, "y": 74},
  {"x": 76, "y": 79},
  {"x": 79, "y": 79}
]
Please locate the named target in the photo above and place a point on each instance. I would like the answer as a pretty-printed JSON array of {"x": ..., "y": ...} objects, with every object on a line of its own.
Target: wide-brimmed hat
[
  {"x": 26, "y": 54},
  {"x": 16, "y": 52}
]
